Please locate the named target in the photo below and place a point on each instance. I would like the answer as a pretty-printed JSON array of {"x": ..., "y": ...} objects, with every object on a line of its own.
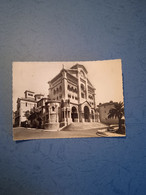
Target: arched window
[
  {"x": 82, "y": 74},
  {"x": 54, "y": 92},
  {"x": 53, "y": 108},
  {"x": 90, "y": 96}
]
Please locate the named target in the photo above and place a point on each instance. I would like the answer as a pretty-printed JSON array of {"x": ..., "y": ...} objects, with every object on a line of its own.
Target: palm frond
[{"x": 117, "y": 110}]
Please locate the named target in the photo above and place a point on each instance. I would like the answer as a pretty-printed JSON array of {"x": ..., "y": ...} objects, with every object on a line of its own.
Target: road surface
[{"x": 21, "y": 133}]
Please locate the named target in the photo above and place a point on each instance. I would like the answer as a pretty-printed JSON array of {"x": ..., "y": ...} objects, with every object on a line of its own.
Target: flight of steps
[{"x": 84, "y": 126}]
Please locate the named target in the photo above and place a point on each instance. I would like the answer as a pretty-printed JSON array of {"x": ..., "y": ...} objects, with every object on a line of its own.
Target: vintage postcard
[{"x": 68, "y": 99}]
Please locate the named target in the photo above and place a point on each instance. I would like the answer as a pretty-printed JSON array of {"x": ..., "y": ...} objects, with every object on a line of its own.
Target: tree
[
  {"x": 27, "y": 114},
  {"x": 117, "y": 111},
  {"x": 34, "y": 116}
]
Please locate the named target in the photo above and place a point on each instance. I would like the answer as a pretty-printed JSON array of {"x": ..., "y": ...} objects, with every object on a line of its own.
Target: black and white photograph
[{"x": 68, "y": 99}]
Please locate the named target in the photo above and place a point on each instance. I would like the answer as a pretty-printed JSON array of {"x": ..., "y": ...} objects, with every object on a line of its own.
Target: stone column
[
  {"x": 79, "y": 88},
  {"x": 57, "y": 114},
  {"x": 86, "y": 90},
  {"x": 94, "y": 99},
  {"x": 83, "y": 119},
  {"x": 62, "y": 115},
  {"x": 67, "y": 115},
  {"x": 50, "y": 89},
  {"x": 64, "y": 84},
  {"x": 49, "y": 110},
  {"x": 78, "y": 115}
]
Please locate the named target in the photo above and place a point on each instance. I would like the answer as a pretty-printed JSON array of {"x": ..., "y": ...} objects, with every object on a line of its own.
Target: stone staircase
[{"x": 84, "y": 126}]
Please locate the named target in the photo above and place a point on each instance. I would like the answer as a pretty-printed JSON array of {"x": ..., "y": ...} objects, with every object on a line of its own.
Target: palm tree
[{"x": 117, "y": 111}]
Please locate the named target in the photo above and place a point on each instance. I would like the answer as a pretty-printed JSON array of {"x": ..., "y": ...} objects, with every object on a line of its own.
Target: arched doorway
[
  {"x": 86, "y": 114},
  {"x": 74, "y": 114}
]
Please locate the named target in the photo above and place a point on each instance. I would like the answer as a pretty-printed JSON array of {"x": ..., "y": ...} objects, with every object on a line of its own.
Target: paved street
[{"x": 21, "y": 133}]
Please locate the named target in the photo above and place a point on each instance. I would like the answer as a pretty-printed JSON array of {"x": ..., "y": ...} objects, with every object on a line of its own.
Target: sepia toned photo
[{"x": 68, "y": 99}]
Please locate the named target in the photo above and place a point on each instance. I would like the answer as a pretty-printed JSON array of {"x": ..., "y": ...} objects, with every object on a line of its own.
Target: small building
[
  {"x": 103, "y": 110},
  {"x": 23, "y": 105}
]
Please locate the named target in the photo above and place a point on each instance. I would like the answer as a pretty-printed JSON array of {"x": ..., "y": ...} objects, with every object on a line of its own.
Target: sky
[{"x": 105, "y": 76}]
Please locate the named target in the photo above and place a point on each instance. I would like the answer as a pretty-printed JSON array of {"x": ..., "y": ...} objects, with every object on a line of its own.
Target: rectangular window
[{"x": 30, "y": 94}]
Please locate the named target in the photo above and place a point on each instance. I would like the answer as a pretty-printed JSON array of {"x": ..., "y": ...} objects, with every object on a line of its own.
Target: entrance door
[
  {"x": 86, "y": 114},
  {"x": 74, "y": 114}
]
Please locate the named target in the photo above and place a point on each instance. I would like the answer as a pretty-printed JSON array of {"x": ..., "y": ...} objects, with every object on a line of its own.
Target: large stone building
[{"x": 72, "y": 88}]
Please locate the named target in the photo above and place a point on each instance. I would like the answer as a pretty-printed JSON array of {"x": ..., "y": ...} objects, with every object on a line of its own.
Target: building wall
[
  {"x": 56, "y": 89},
  {"x": 38, "y": 97},
  {"x": 42, "y": 102},
  {"x": 72, "y": 92},
  {"x": 29, "y": 94},
  {"x": 25, "y": 106},
  {"x": 103, "y": 114}
]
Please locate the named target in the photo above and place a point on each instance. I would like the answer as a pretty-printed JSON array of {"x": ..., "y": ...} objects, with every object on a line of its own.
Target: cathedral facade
[{"x": 72, "y": 97}]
